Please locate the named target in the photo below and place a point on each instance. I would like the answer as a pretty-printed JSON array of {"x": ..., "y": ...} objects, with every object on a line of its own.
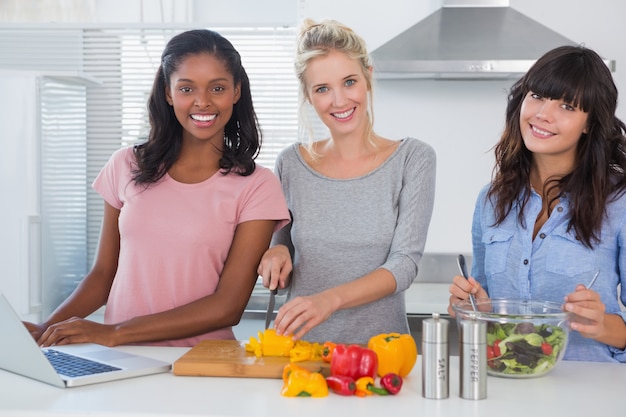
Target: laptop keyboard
[{"x": 71, "y": 365}]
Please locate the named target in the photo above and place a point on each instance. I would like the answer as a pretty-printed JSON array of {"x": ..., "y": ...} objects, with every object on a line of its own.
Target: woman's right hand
[
  {"x": 275, "y": 267},
  {"x": 461, "y": 289}
]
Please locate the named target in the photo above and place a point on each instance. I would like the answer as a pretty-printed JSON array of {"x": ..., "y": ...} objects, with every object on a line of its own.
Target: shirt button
[
  {"x": 559, "y": 209},
  {"x": 525, "y": 261},
  {"x": 542, "y": 235}
]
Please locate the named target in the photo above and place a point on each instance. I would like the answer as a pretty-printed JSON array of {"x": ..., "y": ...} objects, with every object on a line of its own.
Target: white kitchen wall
[{"x": 462, "y": 120}]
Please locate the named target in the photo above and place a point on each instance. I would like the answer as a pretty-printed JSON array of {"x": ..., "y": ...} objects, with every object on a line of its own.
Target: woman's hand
[
  {"x": 77, "y": 330},
  {"x": 35, "y": 330},
  {"x": 588, "y": 312},
  {"x": 275, "y": 267},
  {"x": 298, "y": 316},
  {"x": 460, "y": 290}
]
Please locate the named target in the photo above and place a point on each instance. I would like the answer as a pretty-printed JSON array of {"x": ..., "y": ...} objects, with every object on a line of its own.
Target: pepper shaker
[
  {"x": 473, "y": 360},
  {"x": 435, "y": 358}
]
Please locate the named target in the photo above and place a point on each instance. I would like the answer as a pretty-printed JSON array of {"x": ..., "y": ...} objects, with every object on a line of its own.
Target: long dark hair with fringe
[
  {"x": 242, "y": 135},
  {"x": 580, "y": 77}
]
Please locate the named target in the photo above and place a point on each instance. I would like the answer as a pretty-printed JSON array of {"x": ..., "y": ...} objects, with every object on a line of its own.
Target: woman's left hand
[
  {"x": 296, "y": 317},
  {"x": 588, "y": 310}
]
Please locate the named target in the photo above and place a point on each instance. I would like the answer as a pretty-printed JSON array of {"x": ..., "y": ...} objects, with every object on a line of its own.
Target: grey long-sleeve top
[{"x": 343, "y": 229}]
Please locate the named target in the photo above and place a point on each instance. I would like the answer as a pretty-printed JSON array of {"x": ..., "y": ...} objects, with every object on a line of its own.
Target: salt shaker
[
  {"x": 473, "y": 360},
  {"x": 435, "y": 358}
]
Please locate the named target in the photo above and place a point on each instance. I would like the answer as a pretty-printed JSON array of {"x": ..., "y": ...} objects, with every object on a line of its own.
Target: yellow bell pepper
[
  {"x": 300, "y": 353},
  {"x": 397, "y": 353},
  {"x": 362, "y": 386},
  {"x": 290, "y": 367},
  {"x": 254, "y": 346},
  {"x": 274, "y": 344},
  {"x": 305, "y": 351},
  {"x": 270, "y": 344},
  {"x": 300, "y": 382},
  {"x": 365, "y": 386}
]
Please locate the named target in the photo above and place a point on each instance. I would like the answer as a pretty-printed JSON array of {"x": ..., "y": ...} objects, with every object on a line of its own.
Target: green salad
[{"x": 523, "y": 348}]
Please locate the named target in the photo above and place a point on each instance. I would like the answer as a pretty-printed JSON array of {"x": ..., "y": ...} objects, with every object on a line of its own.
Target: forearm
[
  {"x": 202, "y": 316},
  {"x": 614, "y": 331},
  {"x": 369, "y": 288}
]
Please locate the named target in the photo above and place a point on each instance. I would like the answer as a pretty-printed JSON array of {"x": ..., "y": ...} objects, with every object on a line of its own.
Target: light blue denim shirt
[{"x": 509, "y": 264}]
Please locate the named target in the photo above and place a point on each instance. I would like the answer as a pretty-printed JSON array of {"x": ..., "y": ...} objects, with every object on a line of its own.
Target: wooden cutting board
[{"x": 229, "y": 358}]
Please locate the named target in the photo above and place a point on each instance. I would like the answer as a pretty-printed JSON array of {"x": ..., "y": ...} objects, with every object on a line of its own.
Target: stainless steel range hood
[{"x": 468, "y": 39}]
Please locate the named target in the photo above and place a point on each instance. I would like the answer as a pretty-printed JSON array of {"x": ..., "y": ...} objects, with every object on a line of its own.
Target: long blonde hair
[{"x": 319, "y": 39}]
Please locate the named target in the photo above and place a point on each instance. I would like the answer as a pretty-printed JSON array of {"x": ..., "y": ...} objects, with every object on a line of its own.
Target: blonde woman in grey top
[{"x": 360, "y": 204}]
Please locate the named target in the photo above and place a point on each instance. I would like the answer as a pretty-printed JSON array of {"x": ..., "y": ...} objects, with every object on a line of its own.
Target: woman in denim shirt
[{"x": 555, "y": 211}]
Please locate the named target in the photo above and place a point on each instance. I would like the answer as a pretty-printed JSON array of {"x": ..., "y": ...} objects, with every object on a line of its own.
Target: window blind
[{"x": 63, "y": 198}]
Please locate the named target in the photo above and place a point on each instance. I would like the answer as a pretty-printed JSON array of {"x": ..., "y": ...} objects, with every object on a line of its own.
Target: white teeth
[
  {"x": 541, "y": 132},
  {"x": 203, "y": 117},
  {"x": 344, "y": 114}
]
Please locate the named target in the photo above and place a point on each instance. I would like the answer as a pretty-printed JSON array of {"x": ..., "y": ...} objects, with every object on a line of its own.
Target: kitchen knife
[{"x": 270, "y": 308}]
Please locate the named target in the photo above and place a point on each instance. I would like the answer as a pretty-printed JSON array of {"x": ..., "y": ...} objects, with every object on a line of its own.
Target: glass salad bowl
[{"x": 525, "y": 338}]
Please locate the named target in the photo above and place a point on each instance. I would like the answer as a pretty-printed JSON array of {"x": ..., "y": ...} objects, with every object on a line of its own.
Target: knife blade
[{"x": 270, "y": 308}]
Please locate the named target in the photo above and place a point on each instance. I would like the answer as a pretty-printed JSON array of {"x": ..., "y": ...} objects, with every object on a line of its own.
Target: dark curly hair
[
  {"x": 580, "y": 77},
  {"x": 242, "y": 135}
]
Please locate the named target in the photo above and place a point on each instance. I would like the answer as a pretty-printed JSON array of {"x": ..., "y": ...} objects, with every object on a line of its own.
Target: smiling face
[
  {"x": 551, "y": 128},
  {"x": 338, "y": 90},
  {"x": 202, "y": 93}
]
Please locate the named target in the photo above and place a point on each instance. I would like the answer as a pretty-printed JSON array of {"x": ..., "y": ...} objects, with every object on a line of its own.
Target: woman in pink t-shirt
[{"x": 188, "y": 214}]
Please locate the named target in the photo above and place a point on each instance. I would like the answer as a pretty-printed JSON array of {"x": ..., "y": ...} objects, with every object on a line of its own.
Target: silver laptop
[{"x": 20, "y": 354}]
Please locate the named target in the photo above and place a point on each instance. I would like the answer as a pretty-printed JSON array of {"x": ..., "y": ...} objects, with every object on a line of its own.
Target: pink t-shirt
[{"x": 175, "y": 237}]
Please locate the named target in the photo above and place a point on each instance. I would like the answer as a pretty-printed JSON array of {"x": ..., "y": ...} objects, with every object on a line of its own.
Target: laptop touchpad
[{"x": 108, "y": 355}]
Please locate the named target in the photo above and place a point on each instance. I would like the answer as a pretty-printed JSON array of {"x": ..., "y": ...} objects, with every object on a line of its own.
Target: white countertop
[{"x": 572, "y": 389}]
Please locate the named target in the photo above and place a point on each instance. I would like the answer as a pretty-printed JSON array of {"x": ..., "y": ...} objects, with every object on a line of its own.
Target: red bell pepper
[
  {"x": 391, "y": 382},
  {"x": 341, "y": 384},
  {"x": 353, "y": 361}
]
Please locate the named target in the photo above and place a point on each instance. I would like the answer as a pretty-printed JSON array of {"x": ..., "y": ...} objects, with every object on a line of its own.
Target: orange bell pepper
[
  {"x": 397, "y": 353},
  {"x": 327, "y": 351}
]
